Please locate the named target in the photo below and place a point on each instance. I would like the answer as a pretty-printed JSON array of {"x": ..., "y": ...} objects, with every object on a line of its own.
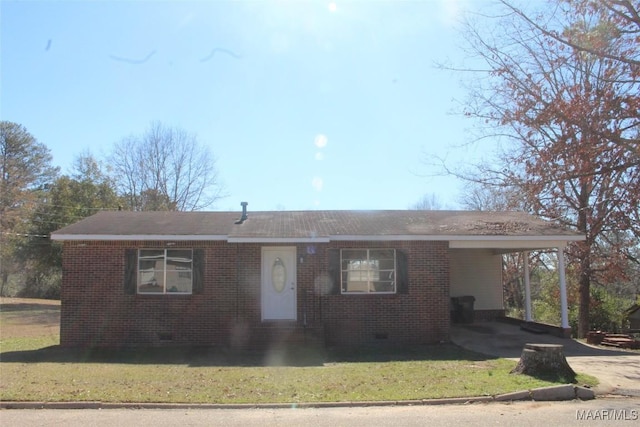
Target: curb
[{"x": 553, "y": 393}]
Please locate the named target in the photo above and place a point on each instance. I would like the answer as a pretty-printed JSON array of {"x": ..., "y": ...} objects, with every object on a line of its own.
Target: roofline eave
[
  {"x": 124, "y": 237},
  {"x": 461, "y": 238},
  {"x": 278, "y": 240},
  {"x": 455, "y": 241}
]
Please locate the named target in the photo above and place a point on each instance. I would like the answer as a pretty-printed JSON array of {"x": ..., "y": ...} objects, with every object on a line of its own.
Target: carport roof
[{"x": 317, "y": 226}]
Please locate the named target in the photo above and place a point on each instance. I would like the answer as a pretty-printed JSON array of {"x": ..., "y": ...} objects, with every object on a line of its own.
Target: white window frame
[
  {"x": 371, "y": 275},
  {"x": 166, "y": 290}
]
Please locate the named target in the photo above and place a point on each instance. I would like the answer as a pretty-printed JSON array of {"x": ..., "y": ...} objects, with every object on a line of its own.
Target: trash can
[
  {"x": 462, "y": 309},
  {"x": 467, "y": 302}
]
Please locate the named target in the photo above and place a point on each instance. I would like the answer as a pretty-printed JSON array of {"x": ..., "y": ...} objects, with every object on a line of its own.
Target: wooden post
[{"x": 545, "y": 361}]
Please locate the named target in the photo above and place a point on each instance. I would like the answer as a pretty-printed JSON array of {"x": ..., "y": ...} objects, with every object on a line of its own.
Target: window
[
  {"x": 165, "y": 271},
  {"x": 368, "y": 270}
]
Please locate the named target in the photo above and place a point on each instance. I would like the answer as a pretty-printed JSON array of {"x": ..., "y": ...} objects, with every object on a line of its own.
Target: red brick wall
[
  {"x": 96, "y": 311},
  {"x": 420, "y": 316}
]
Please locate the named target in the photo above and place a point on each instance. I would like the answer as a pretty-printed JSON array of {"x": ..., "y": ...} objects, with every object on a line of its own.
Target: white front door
[{"x": 279, "y": 283}]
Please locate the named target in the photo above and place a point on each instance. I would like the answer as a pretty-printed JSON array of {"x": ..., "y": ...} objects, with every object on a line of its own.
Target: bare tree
[
  {"x": 617, "y": 26},
  {"x": 428, "y": 202},
  {"x": 624, "y": 16},
  {"x": 166, "y": 168},
  {"x": 480, "y": 196},
  {"x": 568, "y": 121}
]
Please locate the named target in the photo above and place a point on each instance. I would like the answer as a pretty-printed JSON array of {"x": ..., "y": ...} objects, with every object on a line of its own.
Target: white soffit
[
  {"x": 278, "y": 240},
  {"x": 458, "y": 241},
  {"x": 120, "y": 237},
  {"x": 510, "y": 244}
]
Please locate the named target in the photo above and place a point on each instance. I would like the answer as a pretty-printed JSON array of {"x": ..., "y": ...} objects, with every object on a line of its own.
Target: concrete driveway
[{"x": 618, "y": 371}]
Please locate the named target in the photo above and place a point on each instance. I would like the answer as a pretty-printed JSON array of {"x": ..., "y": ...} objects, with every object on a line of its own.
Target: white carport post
[
  {"x": 527, "y": 288},
  {"x": 564, "y": 315}
]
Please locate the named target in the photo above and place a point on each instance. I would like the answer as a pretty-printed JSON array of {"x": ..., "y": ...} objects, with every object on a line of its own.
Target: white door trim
[{"x": 278, "y": 283}]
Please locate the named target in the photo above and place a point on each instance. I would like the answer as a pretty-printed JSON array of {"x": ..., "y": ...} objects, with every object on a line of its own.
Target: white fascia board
[
  {"x": 278, "y": 240},
  {"x": 463, "y": 240},
  {"x": 520, "y": 244},
  {"x": 121, "y": 237},
  {"x": 386, "y": 238}
]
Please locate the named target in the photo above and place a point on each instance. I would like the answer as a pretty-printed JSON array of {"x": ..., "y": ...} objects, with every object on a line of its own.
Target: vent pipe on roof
[{"x": 244, "y": 216}]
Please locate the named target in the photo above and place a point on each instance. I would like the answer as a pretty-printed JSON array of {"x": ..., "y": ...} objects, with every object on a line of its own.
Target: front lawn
[{"x": 34, "y": 368}]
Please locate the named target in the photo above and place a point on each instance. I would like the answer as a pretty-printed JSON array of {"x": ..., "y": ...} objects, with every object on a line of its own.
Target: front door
[{"x": 279, "y": 283}]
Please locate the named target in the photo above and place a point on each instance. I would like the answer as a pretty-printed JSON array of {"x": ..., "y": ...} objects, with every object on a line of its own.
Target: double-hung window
[
  {"x": 165, "y": 271},
  {"x": 368, "y": 271}
]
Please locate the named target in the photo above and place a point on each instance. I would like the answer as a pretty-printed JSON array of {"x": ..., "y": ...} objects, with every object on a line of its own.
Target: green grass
[
  {"x": 210, "y": 376},
  {"x": 35, "y": 368}
]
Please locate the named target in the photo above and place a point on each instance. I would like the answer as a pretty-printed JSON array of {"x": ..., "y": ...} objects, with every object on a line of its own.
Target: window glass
[
  {"x": 179, "y": 281},
  {"x": 179, "y": 260},
  {"x": 151, "y": 259},
  {"x": 368, "y": 270},
  {"x": 163, "y": 271}
]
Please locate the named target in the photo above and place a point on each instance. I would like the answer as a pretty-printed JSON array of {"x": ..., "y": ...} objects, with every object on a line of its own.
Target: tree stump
[{"x": 545, "y": 361}]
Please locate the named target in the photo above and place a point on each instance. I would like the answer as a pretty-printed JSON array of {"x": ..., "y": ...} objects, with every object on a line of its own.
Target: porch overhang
[
  {"x": 508, "y": 244},
  {"x": 500, "y": 245}
]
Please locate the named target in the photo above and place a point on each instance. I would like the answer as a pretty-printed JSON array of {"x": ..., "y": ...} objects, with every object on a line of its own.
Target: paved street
[{"x": 605, "y": 411}]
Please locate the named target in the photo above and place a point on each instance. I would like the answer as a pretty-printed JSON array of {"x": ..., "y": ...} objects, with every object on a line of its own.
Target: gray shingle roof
[{"x": 329, "y": 225}]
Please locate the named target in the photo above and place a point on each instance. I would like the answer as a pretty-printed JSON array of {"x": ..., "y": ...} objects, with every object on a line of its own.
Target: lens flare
[{"x": 321, "y": 140}]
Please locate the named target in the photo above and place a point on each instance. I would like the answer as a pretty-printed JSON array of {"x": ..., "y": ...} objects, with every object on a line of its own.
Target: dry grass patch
[
  {"x": 23, "y": 317},
  {"x": 28, "y": 324}
]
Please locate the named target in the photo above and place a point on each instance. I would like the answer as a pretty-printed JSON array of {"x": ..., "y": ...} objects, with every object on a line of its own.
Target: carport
[{"x": 481, "y": 277}]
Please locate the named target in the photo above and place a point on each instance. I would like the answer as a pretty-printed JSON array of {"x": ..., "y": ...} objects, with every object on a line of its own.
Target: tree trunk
[
  {"x": 545, "y": 361},
  {"x": 585, "y": 302},
  {"x": 584, "y": 292},
  {"x": 584, "y": 248},
  {"x": 4, "y": 277}
]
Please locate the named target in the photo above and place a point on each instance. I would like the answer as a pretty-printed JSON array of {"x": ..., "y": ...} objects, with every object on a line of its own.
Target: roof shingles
[{"x": 312, "y": 224}]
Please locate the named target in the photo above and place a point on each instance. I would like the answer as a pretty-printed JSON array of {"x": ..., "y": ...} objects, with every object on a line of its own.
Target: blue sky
[{"x": 306, "y": 105}]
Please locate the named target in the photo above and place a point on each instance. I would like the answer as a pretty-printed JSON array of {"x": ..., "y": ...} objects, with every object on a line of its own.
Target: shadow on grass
[
  {"x": 278, "y": 355},
  {"x": 275, "y": 355}
]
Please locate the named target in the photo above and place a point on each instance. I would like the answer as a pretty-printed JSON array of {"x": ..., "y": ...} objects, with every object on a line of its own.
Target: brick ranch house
[{"x": 246, "y": 279}]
